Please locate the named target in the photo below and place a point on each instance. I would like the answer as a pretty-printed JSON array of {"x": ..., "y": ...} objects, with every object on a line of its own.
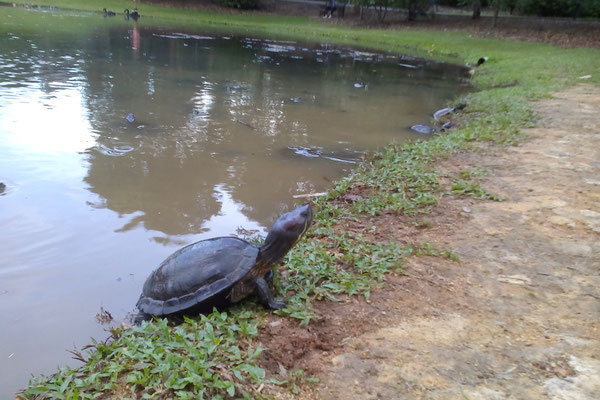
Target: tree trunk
[
  {"x": 382, "y": 10},
  {"x": 496, "y": 11},
  {"x": 476, "y": 9},
  {"x": 412, "y": 10},
  {"x": 432, "y": 9}
]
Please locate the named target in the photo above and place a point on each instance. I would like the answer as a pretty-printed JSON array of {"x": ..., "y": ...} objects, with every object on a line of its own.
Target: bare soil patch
[{"x": 515, "y": 318}]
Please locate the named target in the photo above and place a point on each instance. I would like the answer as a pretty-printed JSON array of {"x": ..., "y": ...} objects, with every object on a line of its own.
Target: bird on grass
[{"x": 133, "y": 15}]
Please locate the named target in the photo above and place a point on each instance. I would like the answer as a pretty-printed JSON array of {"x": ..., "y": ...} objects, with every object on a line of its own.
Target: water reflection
[
  {"x": 215, "y": 111},
  {"x": 209, "y": 111}
]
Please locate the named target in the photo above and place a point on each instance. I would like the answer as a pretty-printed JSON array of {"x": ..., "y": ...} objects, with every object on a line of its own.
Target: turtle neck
[{"x": 273, "y": 249}]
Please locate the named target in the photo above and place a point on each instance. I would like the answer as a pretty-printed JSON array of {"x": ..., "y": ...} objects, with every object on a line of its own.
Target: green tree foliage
[
  {"x": 546, "y": 8},
  {"x": 559, "y": 8},
  {"x": 542, "y": 8},
  {"x": 448, "y": 3},
  {"x": 241, "y": 4},
  {"x": 415, "y": 7}
]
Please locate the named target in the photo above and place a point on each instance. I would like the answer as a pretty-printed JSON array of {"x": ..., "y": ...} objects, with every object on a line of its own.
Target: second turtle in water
[{"x": 221, "y": 270}]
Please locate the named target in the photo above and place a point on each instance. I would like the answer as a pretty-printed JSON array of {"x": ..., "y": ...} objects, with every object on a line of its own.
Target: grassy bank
[{"x": 218, "y": 356}]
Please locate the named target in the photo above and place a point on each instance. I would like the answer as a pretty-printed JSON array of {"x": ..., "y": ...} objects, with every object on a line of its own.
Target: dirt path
[{"x": 518, "y": 317}]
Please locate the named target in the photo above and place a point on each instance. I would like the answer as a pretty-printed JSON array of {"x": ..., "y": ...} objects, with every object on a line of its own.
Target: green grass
[
  {"x": 217, "y": 356},
  {"x": 207, "y": 357}
]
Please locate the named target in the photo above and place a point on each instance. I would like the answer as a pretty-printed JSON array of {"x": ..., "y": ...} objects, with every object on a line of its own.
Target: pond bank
[{"x": 516, "y": 315}]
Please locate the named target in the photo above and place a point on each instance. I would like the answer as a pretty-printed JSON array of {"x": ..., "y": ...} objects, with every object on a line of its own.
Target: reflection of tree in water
[
  {"x": 183, "y": 143},
  {"x": 216, "y": 113}
]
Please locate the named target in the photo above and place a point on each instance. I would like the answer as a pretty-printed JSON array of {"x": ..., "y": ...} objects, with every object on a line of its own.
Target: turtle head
[
  {"x": 285, "y": 233},
  {"x": 293, "y": 224}
]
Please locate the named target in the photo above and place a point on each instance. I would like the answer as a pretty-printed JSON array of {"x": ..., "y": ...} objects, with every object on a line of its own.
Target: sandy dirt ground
[{"x": 516, "y": 317}]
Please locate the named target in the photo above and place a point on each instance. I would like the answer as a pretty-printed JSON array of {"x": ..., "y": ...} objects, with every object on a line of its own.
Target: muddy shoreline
[{"x": 514, "y": 318}]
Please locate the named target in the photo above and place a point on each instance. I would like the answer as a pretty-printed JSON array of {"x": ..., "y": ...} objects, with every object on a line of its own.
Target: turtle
[
  {"x": 428, "y": 130},
  {"x": 130, "y": 118},
  {"x": 440, "y": 113},
  {"x": 221, "y": 271},
  {"x": 425, "y": 129}
]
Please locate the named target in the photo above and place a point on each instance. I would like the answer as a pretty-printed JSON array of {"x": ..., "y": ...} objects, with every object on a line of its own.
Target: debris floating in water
[
  {"x": 315, "y": 152},
  {"x": 104, "y": 316},
  {"x": 239, "y": 121},
  {"x": 130, "y": 118},
  {"x": 305, "y": 195},
  {"x": 311, "y": 152}
]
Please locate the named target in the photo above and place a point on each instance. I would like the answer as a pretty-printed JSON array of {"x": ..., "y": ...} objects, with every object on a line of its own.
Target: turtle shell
[
  {"x": 196, "y": 273},
  {"x": 426, "y": 129}
]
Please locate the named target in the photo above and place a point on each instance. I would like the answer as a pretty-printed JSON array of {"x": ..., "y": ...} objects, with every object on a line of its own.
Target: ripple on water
[
  {"x": 347, "y": 156},
  {"x": 115, "y": 150},
  {"x": 177, "y": 35},
  {"x": 7, "y": 186}
]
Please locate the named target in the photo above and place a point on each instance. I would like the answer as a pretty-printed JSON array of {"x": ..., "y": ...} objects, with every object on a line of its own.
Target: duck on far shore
[{"x": 134, "y": 14}]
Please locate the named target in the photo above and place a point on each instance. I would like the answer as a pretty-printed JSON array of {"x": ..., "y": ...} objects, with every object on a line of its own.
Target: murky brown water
[{"x": 225, "y": 131}]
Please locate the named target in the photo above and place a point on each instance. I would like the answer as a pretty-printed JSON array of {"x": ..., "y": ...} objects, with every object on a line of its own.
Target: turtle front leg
[
  {"x": 265, "y": 296},
  {"x": 269, "y": 275}
]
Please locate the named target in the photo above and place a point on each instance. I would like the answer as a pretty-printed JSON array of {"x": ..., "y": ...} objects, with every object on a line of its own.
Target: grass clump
[
  {"x": 208, "y": 357},
  {"x": 473, "y": 189},
  {"x": 295, "y": 380},
  {"x": 329, "y": 264}
]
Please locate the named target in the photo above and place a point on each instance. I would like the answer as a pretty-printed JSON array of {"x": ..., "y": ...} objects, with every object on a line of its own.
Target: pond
[{"x": 122, "y": 141}]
